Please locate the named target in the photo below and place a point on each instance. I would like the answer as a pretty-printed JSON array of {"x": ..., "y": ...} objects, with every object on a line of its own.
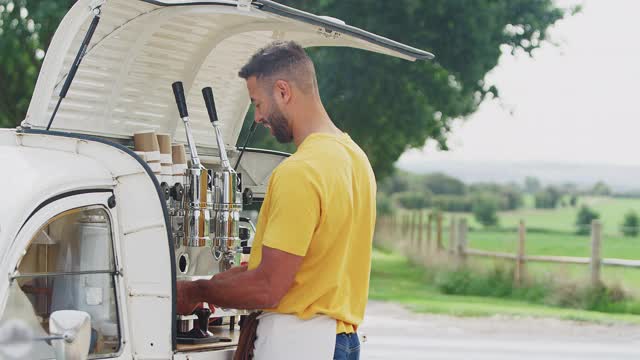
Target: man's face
[{"x": 267, "y": 112}]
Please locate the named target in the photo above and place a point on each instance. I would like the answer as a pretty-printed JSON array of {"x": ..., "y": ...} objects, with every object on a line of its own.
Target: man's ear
[{"x": 282, "y": 91}]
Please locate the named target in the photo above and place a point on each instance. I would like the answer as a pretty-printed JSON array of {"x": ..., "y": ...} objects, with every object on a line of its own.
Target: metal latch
[{"x": 244, "y": 5}]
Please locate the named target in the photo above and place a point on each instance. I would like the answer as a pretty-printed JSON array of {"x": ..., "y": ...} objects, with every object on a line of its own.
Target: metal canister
[
  {"x": 197, "y": 215},
  {"x": 227, "y": 204}
]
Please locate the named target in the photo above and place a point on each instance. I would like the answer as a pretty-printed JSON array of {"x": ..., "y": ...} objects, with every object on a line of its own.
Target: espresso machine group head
[
  {"x": 227, "y": 197},
  {"x": 196, "y": 210}
]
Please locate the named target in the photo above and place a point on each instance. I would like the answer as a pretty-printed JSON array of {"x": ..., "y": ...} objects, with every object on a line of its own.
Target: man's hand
[
  {"x": 239, "y": 288},
  {"x": 186, "y": 301},
  {"x": 188, "y": 293}
]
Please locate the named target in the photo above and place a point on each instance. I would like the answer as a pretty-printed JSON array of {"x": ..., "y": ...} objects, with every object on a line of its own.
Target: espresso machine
[{"x": 205, "y": 217}]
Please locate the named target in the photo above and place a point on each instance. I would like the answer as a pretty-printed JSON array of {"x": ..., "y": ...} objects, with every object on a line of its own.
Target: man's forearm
[
  {"x": 241, "y": 290},
  {"x": 230, "y": 273}
]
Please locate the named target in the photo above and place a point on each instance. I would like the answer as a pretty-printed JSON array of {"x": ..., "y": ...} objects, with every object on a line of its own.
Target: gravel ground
[{"x": 392, "y": 332}]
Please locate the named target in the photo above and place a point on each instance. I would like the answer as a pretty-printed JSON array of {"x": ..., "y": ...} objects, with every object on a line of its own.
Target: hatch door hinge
[
  {"x": 96, "y": 4},
  {"x": 244, "y": 5}
]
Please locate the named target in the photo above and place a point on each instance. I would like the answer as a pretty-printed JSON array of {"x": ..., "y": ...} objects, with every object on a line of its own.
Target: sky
[{"x": 574, "y": 102}]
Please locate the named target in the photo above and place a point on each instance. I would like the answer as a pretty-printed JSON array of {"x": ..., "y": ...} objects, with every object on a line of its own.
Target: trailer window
[{"x": 69, "y": 265}]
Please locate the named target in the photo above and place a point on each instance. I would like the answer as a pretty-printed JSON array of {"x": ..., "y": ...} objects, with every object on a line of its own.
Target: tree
[
  {"x": 26, "y": 28},
  {"x": 631, "y": 224},
  {"x": 573, "y": 201},
  {"x": 442, "y": 184},
  {"x": 384, "y": 205},
  {"x": 601, "y": 189},
  {"x": 414, "y": 200},
  {"x": 510, "y": 197},
  {"x": 387, "y": 105},
  {"x": 584, "y": 219},
  {"x": 485, "y": 208},
  {"x": 548, "y": 198},
  {"x": 532, "y": 185},
  {"x": 397, "y": 182}
]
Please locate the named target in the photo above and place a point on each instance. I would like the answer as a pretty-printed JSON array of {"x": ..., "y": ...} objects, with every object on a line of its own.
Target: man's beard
[{"x": 280, "y": 126}]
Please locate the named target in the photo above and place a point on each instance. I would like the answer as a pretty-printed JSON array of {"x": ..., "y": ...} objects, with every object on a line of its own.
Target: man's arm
[
  {"x": 231, "y": 272},
  {"x": 259, "y": 288}
]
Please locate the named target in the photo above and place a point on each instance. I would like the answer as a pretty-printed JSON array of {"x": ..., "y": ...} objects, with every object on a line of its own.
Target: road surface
[{"x": 393, "y": 332}]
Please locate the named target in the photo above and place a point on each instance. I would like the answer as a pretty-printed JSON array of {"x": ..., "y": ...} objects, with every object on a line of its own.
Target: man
[{"x": 311, "y": 257}]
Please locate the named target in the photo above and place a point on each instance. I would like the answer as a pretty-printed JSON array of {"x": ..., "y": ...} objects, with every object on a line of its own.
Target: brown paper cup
[
  {"x": 178, "y": 154},
  {"x": 164, "y": 141},
  {"x": 142, "y": 155},
  {"x": 146, "y": 141}
]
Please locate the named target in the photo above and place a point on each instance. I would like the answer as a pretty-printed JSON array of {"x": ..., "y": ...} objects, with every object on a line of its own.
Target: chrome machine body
[{"x": 205, "y": 213}]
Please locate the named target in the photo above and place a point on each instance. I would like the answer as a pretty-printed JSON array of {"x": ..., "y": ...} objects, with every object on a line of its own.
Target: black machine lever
[
  {"x": 207, "y": 93},
  {"x": 178, "y": 93}
]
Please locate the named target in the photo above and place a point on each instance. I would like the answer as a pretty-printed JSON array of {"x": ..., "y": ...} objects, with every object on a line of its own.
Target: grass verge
[{"x": 393, "y": 278}]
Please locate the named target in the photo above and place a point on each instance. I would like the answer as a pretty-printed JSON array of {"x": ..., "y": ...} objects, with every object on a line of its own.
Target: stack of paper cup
[
  {"x": 166, "y": 170},
  {"x": 142, "y": 154},
  {"x": 179, "y": 159},
  {"x": 147, "y": 142}
]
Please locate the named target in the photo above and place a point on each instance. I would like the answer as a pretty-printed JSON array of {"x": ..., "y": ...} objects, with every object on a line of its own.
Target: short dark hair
[{"x": 285, "y": 59}]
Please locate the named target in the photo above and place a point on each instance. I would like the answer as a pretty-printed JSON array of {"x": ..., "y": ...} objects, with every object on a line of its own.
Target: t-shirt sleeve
[{"x": 294, "y": 211}]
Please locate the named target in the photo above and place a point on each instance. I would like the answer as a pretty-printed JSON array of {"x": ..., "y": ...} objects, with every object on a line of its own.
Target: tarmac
[{"x": 392, "y": 332}]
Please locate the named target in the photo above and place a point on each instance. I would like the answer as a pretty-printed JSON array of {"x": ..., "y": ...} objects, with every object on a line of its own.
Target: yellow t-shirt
[{"x": 320, "y": 204}]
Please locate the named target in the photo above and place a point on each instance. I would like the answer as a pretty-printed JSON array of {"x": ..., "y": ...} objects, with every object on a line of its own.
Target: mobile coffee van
[{"x": 96, "y": 226}]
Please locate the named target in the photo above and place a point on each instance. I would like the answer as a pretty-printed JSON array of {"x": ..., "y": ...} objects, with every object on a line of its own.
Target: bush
[
  {"x": 512, "y": 199},
  {"x": 499, "y": 283},
  {"x": 384, "y": 205},
  {"x": 485, "y": 208},
  {"x": 547, "y": 198},
  {"x": 593, "y": 298},
  {"x": 451, "y": 203},
  {"x": 573, "y": 201},
  {"x": 630, "y": 224},
  {"x": 584, "y": 219},
  {"x": 414, "y": 200}
]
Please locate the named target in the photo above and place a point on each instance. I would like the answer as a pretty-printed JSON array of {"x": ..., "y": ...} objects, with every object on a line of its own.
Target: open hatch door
[{"x": 140, "y": 47}]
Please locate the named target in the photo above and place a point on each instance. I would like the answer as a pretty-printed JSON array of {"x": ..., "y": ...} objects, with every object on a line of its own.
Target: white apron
[{"x": 287, "y": 337}]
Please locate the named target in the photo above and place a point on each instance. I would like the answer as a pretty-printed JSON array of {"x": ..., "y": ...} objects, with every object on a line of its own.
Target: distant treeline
[
  {"x": 441, "y": 192},
  {"x": 446, "y": 193}
]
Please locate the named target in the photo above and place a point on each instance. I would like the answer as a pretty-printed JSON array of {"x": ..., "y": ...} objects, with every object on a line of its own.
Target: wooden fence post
[
  {"x": 412, "y": 229},
  {"x": 427, "y": 248},
  {"x": 596, "y": 252},
  {"x": 406, "y": 225},
  {"x": 520, "y": 262},
  {"x": 462, "y": 240},
  {"x": 439, "y": 232},
  {"x": 452, "y": 235},
  {"x": 419, "y": 244}
]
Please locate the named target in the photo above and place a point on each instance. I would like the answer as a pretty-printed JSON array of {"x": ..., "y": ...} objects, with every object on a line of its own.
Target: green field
[
  {"x": 611, "y": 210},
  {"x": 393, "y": 278},
  {"x": 552, "y": 232}
]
